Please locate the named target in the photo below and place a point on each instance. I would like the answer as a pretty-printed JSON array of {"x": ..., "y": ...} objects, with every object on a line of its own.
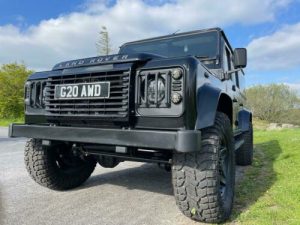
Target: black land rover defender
[{"x": 176, "y": 100}]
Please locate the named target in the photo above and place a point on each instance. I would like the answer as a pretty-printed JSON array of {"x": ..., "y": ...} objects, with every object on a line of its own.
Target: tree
[
  {"x": 271, "y": 102},
  {"x": 12, "y": 79},
  {"x": 103, "y": 44}
]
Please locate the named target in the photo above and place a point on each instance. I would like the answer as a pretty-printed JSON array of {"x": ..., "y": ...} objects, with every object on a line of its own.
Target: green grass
[
  {"x": 6, "y": 122},
  {"x": 270, "y": 190}
]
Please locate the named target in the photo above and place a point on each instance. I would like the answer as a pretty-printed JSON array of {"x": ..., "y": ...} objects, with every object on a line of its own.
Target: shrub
[
  {"x": 272, "y": 103},
  {"x": 12, "y": 79}
]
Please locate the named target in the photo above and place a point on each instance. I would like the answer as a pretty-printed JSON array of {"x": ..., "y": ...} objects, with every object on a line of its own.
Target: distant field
[{"x": 270, "y": 190}]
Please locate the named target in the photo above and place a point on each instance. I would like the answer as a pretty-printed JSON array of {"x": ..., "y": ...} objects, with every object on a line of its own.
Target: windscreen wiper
[{"x": 202, "y": 57}]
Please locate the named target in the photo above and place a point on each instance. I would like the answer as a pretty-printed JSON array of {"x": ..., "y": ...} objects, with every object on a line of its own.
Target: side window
[
  {"x": 226, "y": 60},
  {"x": 235, "y": 75},
  {"x": 237, "y": 79},
  {"x": 241, "y": 80}
]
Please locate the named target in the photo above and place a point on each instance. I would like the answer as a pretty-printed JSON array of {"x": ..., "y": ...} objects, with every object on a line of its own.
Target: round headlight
[
  {"x": 160, "y": 90},
  {"x": 176, "y": 74}
]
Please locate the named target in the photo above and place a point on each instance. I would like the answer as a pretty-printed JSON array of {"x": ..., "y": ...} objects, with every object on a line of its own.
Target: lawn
[
  {"x": 6, "y": 122},
  {"x": 270, "y": 191}
]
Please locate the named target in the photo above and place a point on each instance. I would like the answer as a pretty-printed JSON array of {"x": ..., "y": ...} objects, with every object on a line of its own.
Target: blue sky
[
  {"x": 41, "y": 33},
  {"x": 31, "y": 12}
]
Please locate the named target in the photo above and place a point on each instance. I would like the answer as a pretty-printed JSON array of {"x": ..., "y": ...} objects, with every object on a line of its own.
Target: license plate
[{"x": 82, "y": 91}]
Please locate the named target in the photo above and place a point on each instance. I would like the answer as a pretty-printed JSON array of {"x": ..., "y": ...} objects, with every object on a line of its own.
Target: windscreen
[{"x": 201, "y": 45}]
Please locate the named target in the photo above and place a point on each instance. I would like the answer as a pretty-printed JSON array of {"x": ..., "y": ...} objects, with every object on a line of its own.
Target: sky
[{"x": 43, "y": 33}]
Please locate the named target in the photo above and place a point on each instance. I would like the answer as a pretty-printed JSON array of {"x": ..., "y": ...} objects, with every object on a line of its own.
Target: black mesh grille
[{"x": 114, "y": 106}]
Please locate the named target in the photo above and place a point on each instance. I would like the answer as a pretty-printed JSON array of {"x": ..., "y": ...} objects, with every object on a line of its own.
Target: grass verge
[
  {"x": 6, "y": 122},
  {"x": 270, "y": 190}
]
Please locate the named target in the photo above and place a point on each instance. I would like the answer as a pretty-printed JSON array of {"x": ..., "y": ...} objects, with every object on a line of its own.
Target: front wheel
[
  {"x": 56, "y": 167},
  {"x": 204, "y": 181}
]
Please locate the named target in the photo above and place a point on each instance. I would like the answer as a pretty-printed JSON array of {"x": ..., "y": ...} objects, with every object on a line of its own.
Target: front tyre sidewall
[
  {"x": 196, "y": 175},
  {"x": 42, "y": 164}
]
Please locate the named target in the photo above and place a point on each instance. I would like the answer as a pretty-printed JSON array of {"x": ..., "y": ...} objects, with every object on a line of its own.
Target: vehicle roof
[{"x": 182, "y": 34}]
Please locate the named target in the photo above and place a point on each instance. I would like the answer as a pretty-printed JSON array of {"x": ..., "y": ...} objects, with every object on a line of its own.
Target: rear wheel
[
  {"x": 56, "y": 167},
  {"x": 108, "y": 161},
  {"x": 204, "y": 181},
  {"x": 244, "y": 155}
]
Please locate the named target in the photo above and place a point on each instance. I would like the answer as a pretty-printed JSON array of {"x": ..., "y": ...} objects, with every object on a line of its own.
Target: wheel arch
[
  {"x": 225, "y": 106},
  {"x": 244, "y": 119},
  {"x": 209, "y": 101}
]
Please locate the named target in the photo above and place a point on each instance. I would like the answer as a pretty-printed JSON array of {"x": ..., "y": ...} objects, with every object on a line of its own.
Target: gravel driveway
[{"x": 132, "y": 193}]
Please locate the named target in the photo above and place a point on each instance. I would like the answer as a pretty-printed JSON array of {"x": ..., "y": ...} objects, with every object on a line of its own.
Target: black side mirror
[{"x": 240, "y": 57}]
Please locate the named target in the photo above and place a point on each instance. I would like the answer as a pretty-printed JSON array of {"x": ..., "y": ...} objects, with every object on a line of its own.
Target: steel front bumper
[{"x": 181, "y": 141}]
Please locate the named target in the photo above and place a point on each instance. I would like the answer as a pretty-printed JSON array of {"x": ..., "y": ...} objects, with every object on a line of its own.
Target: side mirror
[{"x": 240, "y": 57}]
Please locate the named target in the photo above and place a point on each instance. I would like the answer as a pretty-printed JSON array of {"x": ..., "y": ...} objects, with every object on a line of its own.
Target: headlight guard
[{"x": 154, "y": 91}]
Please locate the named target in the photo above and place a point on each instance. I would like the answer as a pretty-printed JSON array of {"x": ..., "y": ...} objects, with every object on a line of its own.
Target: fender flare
[
  {"x": 207, "y": 105},
  {"x": 244, "y": 119}
]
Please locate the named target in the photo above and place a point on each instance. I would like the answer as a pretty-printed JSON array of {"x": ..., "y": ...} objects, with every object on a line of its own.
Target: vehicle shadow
[
  {"x": 252, "y": 181},
  {"x": 148, "y": 177},
  {"x": 258, "y": 178}
]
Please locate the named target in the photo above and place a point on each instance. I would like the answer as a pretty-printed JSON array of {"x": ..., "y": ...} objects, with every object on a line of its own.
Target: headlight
[
  {"x": 27, "y": 93},
  {"x": 160, "y": 92},
  {"x": 156, "y": 90},
  {"x": 43, "y": 94},
  {"x": 35, "y": 93}
]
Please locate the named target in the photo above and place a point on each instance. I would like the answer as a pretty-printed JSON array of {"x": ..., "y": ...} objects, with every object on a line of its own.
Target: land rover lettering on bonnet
[{"x": 177, "y": 101}]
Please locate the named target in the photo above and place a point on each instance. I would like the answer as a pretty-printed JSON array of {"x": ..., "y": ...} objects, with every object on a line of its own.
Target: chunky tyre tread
[
  {"x": 244, "y": 155},
  {"x": 195, "y": 177},
  {"x": 42, "y": 168}
]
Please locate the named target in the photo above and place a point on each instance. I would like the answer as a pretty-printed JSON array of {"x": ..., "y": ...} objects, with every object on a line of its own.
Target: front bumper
[{"x": 180, "y": 141}]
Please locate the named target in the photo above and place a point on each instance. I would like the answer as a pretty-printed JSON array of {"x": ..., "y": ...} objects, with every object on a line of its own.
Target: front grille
[{"x": 116, "y": 106}]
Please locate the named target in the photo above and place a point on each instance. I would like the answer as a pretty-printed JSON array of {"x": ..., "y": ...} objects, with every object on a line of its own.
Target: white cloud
[
  {"x": 279, "y": 50},
  {"x": 294, "y": 86},
  {"x": 74, "y": 35}
]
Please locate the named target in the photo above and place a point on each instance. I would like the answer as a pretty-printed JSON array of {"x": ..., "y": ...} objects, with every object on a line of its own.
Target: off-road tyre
[
  {"x": 47, "y": 170},
  {"x": 244, "y": 155},
  {"x": 197, "y": 178}
]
